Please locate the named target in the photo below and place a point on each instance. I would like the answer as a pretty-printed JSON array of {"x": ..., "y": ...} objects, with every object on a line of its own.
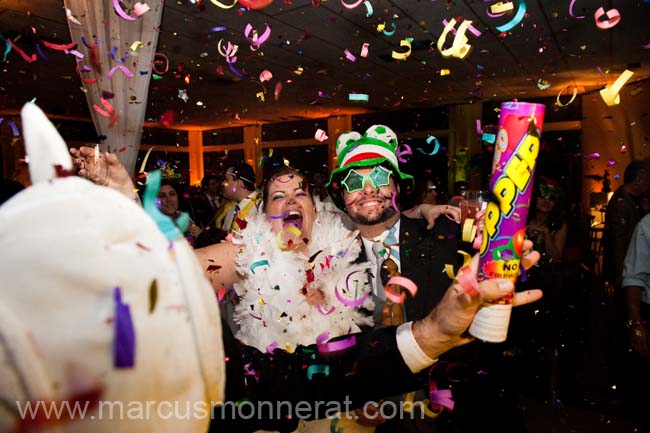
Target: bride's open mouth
[{"x": 293, "y": 218}]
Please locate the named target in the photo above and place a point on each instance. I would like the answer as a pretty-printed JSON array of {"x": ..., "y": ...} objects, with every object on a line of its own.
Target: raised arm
[{"x": 103, "y": 169}]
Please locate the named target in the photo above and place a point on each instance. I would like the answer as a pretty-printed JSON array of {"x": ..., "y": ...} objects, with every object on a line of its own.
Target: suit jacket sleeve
[{"x": 308, "y": 376}]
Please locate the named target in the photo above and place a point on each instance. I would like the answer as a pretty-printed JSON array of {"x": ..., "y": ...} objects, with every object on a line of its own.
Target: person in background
[
  {"x": 624, "y": 210},
  {"x": 204, "y": 209},
  {"x": 544, "y": 330},
  {"x": 170, "y": 198},
  {"x": 425, "y": 191},
  {"x": 206, "y": 204},
  {"x": 636, "y": 292},
  {"x": 239, "y": 188}
]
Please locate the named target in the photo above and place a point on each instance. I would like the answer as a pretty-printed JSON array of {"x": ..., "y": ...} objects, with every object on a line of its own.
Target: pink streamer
[
  {"x": 347, "y": 302},
  {"x": 334, "y": 346},
  {"x": 122, "y": 68},
  {"x": 571, "y": 10},
  {"x": 257, "y": 42},
  {"x": 121, "y": 12}
]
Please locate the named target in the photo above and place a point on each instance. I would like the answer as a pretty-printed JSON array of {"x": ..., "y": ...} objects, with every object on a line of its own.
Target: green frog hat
[{"x": 378, "y": 146}]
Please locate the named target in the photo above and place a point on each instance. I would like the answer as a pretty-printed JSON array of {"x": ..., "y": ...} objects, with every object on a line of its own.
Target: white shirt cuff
[{"x": 411, "y": 352}]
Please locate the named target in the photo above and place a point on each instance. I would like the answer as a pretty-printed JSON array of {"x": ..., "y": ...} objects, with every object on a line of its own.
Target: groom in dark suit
[{"x": 366, "y": 185}]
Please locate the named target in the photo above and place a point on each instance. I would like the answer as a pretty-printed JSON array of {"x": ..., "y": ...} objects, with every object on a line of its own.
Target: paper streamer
[
  {"x": 399, "y": 281},
  {"x": 121, "y": 12},
  {"x": 364, "y": 49},
  {"x": 358, "y": 97},
  {"x": 459, "y": 48},
  {"x": 403, "y": 149},
  {"x": 491, "y": 15},
  {"x": 351, "y": 5},
  {"x": 571, "y": 10},
  {"x": 473, "y": 30},
  {"x": 347, "y": 302},
  {"x": 320, "y": 135},
  {"x": 573, "y": 97},
  {"x": 521, "y": 13},
  {"x": 257, "y": 264},
  {"x": 12, "y": 124},
  {"x": 402, "y": 56},
  {"x": 58, "y": 47},
  {"x": 155, "y": 62},
  {"x": 500, "y": 7},
  {"x": 612, "y": 17},
  {"x": 123, "y": 333},
  {"x": 265, "y": 75},
  {"x": 390, "y": 32},
  {"x": 488, "y": 138},
  {"x": 108, "y": 113},
  {"x": 255, "y": 4},
  {"x": 611, "y": 94},
  {"x": 122, "y": 68},
  {"x": 71, "y": 18},
  {"x": 436, "y": 146},
  {"x": 256, "y": 41},
  {"x": 271, "y": 347},
  {"x": 231, "y": 49},
  {"x": 349, "y": 55},
  {"x": 28, "y": 59},
  {"x": 317, "y": 369},
  {"x": 140, "y": 9},
  {"x": 368, "y": 8},
  {"x": 323, "y": 312},
  {"x": 223, "y": 6},
  {"x": 334, "y": 346}
]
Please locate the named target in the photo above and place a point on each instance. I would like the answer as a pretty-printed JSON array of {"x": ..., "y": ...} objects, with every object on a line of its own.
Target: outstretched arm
[{"x": 323, "y": 383}]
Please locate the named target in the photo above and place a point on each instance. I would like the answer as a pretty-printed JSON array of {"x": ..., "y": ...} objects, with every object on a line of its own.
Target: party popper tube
[{"x": 504, "y": 231}]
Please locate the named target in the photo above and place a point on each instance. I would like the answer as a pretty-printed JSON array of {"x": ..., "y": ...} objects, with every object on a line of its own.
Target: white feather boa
[{"x": 272, "y": 307}]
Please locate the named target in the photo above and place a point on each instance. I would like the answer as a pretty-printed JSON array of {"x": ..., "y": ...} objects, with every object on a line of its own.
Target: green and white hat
[{"x": 377, "y": 146}]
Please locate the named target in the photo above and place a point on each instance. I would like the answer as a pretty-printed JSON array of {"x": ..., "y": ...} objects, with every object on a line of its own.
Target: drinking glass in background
[{"x": 474, "y": 200}]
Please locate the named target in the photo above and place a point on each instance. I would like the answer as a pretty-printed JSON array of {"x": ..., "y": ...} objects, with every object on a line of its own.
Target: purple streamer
[
  {"x": 11, "y": 123},
  {"x": 278, "y": 217},
  {"x": 124, "y": 338},
  {"x": 120, "y": 60},
  {"x": 40, "y": 52},
  {"x": 442, "y": 397},
  {"x": 403, "y": 149},
  {"x": 234, "y": 71},
  {"x": 491, "y": 15}
]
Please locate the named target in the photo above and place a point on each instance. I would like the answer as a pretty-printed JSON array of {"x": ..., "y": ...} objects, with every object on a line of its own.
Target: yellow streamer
[
  {"x": 467, "y": 261},
  {"x": 501, "y": 7},
  {"x": 611, "y": 94},
  {"x": 403, "y": 56},
  {"x": 459, "y": 48},
  {"x": 560, "y": 104},
  {"x": 223, "y": 53},
  {"x": 223, "y": 6},
  {"x": 424, "y": 405}
]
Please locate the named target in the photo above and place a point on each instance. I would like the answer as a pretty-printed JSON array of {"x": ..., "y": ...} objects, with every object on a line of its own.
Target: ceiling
[{"x": 549, "y": 44}]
